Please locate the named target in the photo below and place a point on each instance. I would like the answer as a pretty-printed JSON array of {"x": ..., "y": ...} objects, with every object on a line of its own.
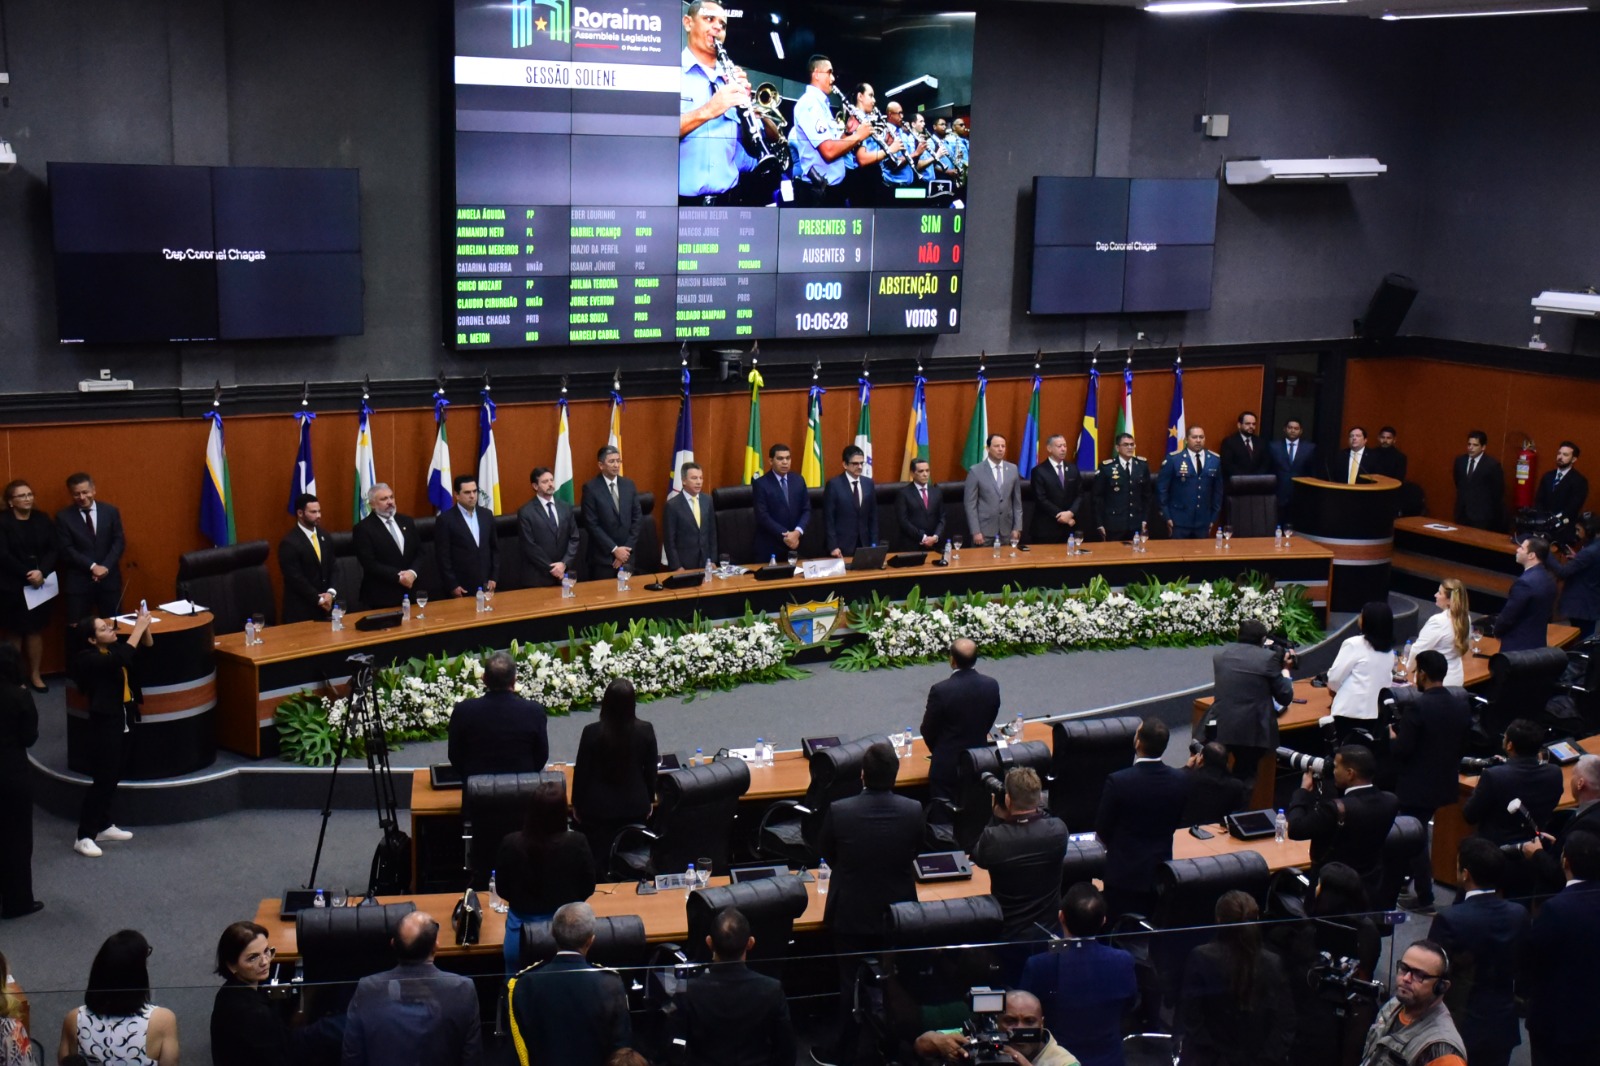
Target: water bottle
[
  {"x": 823, "y": 875},
  {"x": 622, "y": 579},
  {"x": 496, "y": 904},
  {"x": 691, "y": 880},
  {"x": 249, "y": 631},
  {"x": 761, "y": 746},
  {"x": 336, "y": 616},
  {"x": 1277, "y": 536},
  {"x": 1405, "y": 659},
  {"x": 998, "y": 537},
  {"x": 710, "y": 570},
  {"x": 569, "y": 589},
  {"x": 699, "y": 757},
  {"x": 947, "y": 553},
  {"x": 772, "y": 560},
  {"x": 1016, "y": 728},
  {"x": 1136, "y": 540},
  {"x": 1219, "y": 538},
  {"x": 478, "y": 604},
  {"x": 1280, "y": 827},
  {"x": 907, "y": 738},
  {"x": 320, "y": 901},
  {"x": 405, "y": 607}
]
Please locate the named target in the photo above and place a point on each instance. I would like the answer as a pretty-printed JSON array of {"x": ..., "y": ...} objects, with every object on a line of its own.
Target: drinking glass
[
  {"x": 1227, "y": 535},
  {"x": 702, "y": 870},
  {"x": 422, "y": 603},
  {"x": 261, "y": 623},
  {"x": 1477, "y": 640},
  {"x": 1015, "y": 540},
  {"x": 794, "y": 558},
  {"x": 338, "y": 897},
  {"x": 488, "y": 598},
  {"x": 1288, "y": 534},
  {"x": 724, "y": 564},
  {"x": 955, "y": 547}
]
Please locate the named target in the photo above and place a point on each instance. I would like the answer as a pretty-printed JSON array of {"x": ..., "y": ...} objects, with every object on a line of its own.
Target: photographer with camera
[
  {"x": 1351, "y": 826},
  {"x": 1022, "y": 848},
  {"x": 1015, "y": 1036},
  {"x": 1414, "y": 1028},
  {"x": 1252, "y": 688},
  {"x": 1427, "y": 743}
]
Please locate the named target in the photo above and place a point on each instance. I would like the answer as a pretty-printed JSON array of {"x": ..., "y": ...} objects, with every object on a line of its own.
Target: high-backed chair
[
  {"x": 513, "y": 568},
  {"x": 955, "y": 512},
  {"x": 693, "y": 819},
  {"x": 1252, "y": 504},
  {"x": 1520, "y": 684},
  {"x": 814, "y": 540},
  {"x": 647, "y": 552},
  {"x": 346, "y": 570},
  {"x": 1187, "y": 891},
  {"x": 788, "y": 831},
  {"x": 974, "y": 800},
  {"x": 493, "y": 806},
  {"x": 1086, "y": 752},
  {"x": 884, "y": 494},
  {"x": 736, "y": 522},
  {"x": 771, "y": 905},
  {"x": 427, "y": 568},
  {"x": 940, "y": 922},
  {"x": 619, "y": 940},
  {"x": 1406, "y": 839},
  {"x": 340, "y": 945},
  {"x": 231, "y": 582},
  {"x": 1085, "y": 860}
]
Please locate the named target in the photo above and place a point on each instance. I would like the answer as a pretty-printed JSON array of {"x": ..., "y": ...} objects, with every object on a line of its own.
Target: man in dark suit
[
  {"x": 1244, "y": 453},
  {"x": 1214, "y": 792},
  {"x": 850, "y": 507},
  {"x": 547, "y": 529},
  {"x": 919, "y": 511},
  {"x": 387, "y": 546},
  {"x": 1122, "y": 492},
  {"x": 1525, "y": 776},
  {"x": 612, "y": 515},
  {"x": 415, "y": 1012},
  {"x": 1190, "y": 488},
  {"x": 91, "y": 553},
  {"x": 1427, "y": 743},
  {"x": 1580, "y": 576},
  {"x": 465, "y": 547},
  {"x": 1524, "y": 621},
  {"x": 731, "y": 1014},
  {"x": 1251, "y": 688},
  {"x": 1480, "y": 485},
  {"x": 960, "y": 712},
  {"x": 992, "y": 495},
  {"x": 1558, "y": 974},
  {"x": 1483, "y": 934},
  {"x": 1545, "y": 852},
  {"x": 1292, "y": 457},
  {"x": 1387, "y": 459},
  {"x": 566, "y": 1010},
  {"x": 1022, "y": 848},
  {"x": 1140, "y": 808},
  {"x": 1563, "y": 490},
  {"x": 1351, "y": 463},
  {"x": 1086, "y": 986},
  {"x": 782, "y": 507},
  {"x": 1058, "y": 496},
  {"x": 691, "y": 523},
  {"x": 1350, "y": 828},
  {"x": 499, "y": 732},
  {"x": 870, "y": 841},
  {"x": 305, "y": 557}
]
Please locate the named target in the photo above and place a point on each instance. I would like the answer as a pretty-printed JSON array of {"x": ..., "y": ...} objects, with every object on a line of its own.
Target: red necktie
[
  {"x": 88, "y": 520},
  {"x": 924, "y": 490}
]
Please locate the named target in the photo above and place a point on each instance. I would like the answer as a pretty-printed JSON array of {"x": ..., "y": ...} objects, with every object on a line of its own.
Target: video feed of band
[{"x": 651, "y": 170}]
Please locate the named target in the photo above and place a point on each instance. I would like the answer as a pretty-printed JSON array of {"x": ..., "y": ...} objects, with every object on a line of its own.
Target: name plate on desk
[{"x": 815, "y": 568}]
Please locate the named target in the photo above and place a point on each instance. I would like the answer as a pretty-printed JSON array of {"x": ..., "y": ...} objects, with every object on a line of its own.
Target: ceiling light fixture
[
  {"x": 1406, "y": 16},
  {"x": 1189, "y": 7}
]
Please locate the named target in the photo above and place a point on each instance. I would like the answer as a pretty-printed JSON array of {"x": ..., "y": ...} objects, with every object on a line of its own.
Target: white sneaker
[
  {"x": 87, "y": 848},
  {"x": 111, "y": 832}
]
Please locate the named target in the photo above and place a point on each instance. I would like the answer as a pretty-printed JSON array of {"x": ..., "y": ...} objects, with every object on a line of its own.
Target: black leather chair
[
  {"x": 1086, "y": 751},
  {"x": 885, "y": 494},
  {"x": 1085, "y": 860},
  {"x": 647, "y": 552},
  {"x": 1252, "y": 504},
  {"x": 346, "y": 571},
  {"x": 513, "y": 568},
  {"x": 814, "y": 541},
  {"x": 693, "y": 819},
  {"x": 231, "y": 582},
  {"x": 940, "y": 922},
  {"x": 1187, "y": 890},
  {"x": 1406, "y": 839},
  {"x": 1521, "y": 683},
  {"x": 427, "y": 567},
  {"x": 341, "y": 945},
  {"x": 618, "y": 941},
  {"x": 770, "y": 904},
  {"x": 736, "y": 522},
  {"x": 974, "y": 800},
  {"x": 493, "y": 806},
  {"x": 955, "y": 512},
  {"x": 788, "y": 831}
]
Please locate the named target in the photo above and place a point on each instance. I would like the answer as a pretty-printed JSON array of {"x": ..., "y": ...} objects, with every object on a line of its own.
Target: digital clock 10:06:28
[{"x": 817, "y": 321}]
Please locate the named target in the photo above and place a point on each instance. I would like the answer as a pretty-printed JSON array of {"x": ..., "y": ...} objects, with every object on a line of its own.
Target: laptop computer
[{"x": 868, "y": 559}]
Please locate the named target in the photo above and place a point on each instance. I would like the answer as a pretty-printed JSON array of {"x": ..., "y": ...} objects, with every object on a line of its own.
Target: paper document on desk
[
  {"x": 182, "y": 607},
  {"x": 1440, "y": 526},
  {"x": 48, "y": 590}
]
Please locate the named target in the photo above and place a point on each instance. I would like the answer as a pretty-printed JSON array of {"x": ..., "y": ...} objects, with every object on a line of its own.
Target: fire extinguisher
[{"x": 1527, "y": 474}]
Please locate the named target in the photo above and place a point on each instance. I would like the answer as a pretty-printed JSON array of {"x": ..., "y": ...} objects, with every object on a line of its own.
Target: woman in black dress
[
  {"x": 541, "y": 867},
  {"x": 614, "y": 775},
  {"x": 19, "y": 728},
  {"x": 27, "y": 557}
]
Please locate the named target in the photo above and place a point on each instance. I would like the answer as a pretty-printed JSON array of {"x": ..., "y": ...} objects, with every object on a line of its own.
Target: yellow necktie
[
  {"x": 316, "y": 547},
  {"x": 1355, "y": 465},
  {"x": 694, "y": 509}
]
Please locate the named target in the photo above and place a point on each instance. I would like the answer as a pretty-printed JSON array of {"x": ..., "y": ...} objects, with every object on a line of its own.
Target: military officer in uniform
[
  {"x": 1190, "y": 488},
  {"x": 1122, "y": 492}
]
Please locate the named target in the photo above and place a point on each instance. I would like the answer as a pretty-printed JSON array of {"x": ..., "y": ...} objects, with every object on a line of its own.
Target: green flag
[
  {"x": 752, "y": 444},
  {"x": 978, "y": 430}
]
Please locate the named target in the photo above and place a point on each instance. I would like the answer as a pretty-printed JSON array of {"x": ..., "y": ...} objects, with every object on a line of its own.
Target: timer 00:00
[{"x": 824, "y": 290}]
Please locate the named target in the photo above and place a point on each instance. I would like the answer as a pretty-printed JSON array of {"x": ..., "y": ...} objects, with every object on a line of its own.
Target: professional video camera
[
  {"x": 1299, "y": 760},
  {"x": 1336, "y": 979},
  {"x": 986, "y": 1041},
  {"x": 1470, "y": 765}
]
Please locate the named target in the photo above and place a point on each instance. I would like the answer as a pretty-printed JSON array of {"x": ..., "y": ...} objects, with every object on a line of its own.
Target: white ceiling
[{"x": 1372, "y": 8}]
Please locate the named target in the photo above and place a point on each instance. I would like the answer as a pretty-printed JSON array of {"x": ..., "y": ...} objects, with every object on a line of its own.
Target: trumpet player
[
  {"x": 711, "y": 158},
  {"x": 819, "y": 141}
]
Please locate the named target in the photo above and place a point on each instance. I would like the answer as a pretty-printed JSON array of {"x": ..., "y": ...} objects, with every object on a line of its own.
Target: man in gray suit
[
  {"x": 993, "y": 495},
  {"x": 414, "y": 1013},
  {"x": 691, "y": 525},
  {"x": 548, "y": 530},
  {"x": 1252, "y": 687}
]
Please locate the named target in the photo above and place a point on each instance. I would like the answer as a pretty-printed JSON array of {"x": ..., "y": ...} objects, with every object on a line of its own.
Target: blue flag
[
  {"x": 1029, "y": 457},
  {"x": 216, "y": 491},
  {"x": 682, "y": 439},
  {"x": 303, "y": 479},
  {"x": 441, "y": 493},
  {"x": 1089, "y": 435},
  {"x": 1176, "y": 429}
]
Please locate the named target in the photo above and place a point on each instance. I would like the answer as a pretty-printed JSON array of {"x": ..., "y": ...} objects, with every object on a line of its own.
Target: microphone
[{"x": 1515, "y": 807}]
